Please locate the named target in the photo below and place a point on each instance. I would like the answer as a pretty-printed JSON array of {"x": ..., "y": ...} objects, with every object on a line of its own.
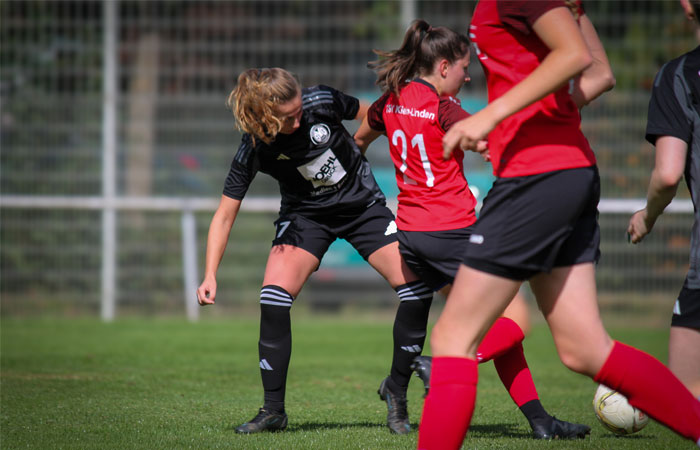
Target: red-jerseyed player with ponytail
[
  {"x": 436, "y": 207},
  {"x": 538, "y": 222}
]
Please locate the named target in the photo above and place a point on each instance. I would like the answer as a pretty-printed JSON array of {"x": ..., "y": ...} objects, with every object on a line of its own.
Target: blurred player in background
[
  {"x": 539, "y": 220},
  {"x": 435, "y": 204},
  {"x": 296, "y": 136},
  {"x": 673, "y": 126}
]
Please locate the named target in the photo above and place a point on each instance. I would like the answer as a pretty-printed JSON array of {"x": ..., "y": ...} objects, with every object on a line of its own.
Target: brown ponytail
[
  {"x": 256, "y": 95},
  {"x": 422, "y": 46}
]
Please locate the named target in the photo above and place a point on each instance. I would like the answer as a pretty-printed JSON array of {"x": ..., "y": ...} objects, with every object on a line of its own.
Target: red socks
[
  {"x": 449, "y": 405},
  {"x": 502, "y": 343},
  {"x": 501, "y": 337},
  {"x": 515, "y": 375},
  {"x": 651, "y": 387}
]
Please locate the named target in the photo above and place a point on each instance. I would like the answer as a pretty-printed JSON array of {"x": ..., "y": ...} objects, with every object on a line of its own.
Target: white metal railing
[{"x": 188, "y": 206}]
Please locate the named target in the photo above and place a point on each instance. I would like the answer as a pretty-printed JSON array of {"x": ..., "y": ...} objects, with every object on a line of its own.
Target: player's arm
[
  {"x": 372, "y": 125},
  {"x": 598, "y": 77},
  {"x": 568, "y": 57},
  {"x": 671, "y": 153},
  {"x": 365, "y": 135},
  {"x": 362, "y": 111},
  {"x": 219, "y": 231}
]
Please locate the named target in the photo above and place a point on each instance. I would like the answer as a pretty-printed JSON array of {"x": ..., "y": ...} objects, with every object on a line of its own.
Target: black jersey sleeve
[
  {"x": 243, "y": 169},
  {"x": 666, "y": 116},
  {"x": 345, "y": 105}
]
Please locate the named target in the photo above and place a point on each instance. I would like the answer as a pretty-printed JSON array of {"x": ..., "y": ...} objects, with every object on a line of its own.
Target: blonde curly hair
[{"x": 256, "y": 95}]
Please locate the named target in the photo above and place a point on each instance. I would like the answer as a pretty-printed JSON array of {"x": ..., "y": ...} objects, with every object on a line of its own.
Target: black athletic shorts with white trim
[
  {"x": 534, "y": 223},
  {"x": 434, "y": 256},
  {"x": 367, "y": 232},
  {"x": 686, "y": 310}
]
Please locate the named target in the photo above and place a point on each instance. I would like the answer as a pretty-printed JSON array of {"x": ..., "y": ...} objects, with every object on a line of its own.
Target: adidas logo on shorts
[{"x": 476, "y": 239}]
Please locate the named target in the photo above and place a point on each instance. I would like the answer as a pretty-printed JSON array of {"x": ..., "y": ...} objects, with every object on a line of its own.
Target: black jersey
[
  {"x": 319, "y": 168},
  {"x": 674, "y": 110}
]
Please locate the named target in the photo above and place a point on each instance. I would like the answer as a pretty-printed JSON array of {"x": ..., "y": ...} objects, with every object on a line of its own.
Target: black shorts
[
  {"x": 367, "y": 232},
  {"x": 533, "y": 223},
  {"x": 686, "y": 310},
  {"x": 434, "y": 256}
]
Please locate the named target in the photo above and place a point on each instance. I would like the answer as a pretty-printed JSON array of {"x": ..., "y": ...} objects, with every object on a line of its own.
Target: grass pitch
[{"x": 166, "y": 383}]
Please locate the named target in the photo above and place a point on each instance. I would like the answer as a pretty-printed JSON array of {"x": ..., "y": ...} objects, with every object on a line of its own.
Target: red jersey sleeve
[
  {"x": 450, "y": 112},
  {"x": 521, "y": 14},
  {"x": 374, "y": 113}
]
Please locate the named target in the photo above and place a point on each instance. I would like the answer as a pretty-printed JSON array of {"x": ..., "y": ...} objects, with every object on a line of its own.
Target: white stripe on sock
[{"x": 270, "y": 302}]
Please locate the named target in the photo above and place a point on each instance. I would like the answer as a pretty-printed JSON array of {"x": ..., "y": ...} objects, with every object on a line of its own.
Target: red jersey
[
  {"x": 433, "y": 193},
  {"x": 546, "y": 135}
]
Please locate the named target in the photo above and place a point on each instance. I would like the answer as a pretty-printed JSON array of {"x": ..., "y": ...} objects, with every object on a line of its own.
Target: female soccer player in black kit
[
  {"x": 673, "y": 126},
  {"x": 328, "y": 191}
]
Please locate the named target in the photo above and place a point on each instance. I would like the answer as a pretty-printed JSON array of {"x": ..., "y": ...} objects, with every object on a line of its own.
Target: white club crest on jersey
[
  {"x": 677, "y": 308},
  {"x": 320, "y": 133}
]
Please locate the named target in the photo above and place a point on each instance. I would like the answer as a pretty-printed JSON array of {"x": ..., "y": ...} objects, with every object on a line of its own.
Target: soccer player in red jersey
[
  {"x": 435, "y": 204},
  {"x": 673, "y": 127},
  {"x": 538, "y": 222},
  {"x": 296, "y": 135}
]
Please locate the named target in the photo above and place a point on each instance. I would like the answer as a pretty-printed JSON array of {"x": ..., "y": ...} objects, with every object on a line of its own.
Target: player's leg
[
  {"x": 374, "y": 237},
  {"x": 476, "y": 300},
  {"x": 514, "y": 372},
  {"x": 503, "y": 344},
  {"x": 684, "y": 357},
  {"x": 288, "y": 268},
  {"x": 684, "y": 339},
  {"x": 409, "y": 331},
  {"x": 519, "y": 312},
  {"x": 569, "y": 292}
]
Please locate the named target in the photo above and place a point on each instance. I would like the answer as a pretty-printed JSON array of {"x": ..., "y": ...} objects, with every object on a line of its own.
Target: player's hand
[
  {"x": 468, "y": 134},
  {"x": 206, "y": 292},
  {"x": 483, "y": 149},
  {"x": 638, "y": 227}
]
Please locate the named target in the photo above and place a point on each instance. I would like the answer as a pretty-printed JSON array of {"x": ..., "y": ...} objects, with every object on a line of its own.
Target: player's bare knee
[{"x": 578, "y": 361}]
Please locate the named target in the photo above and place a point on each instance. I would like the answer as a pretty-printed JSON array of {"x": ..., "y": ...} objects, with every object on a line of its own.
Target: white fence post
[
  {"x": 109, "y": 150},
  {"x": 408, "y": 13},
  {"x": 189, "y": 264}
]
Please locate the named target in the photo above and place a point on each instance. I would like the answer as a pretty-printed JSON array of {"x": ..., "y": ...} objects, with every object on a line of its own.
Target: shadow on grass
[
  {"x": 492, "y": 430},
  {"x": 512, "y": 430},
  {"x": 639, "y": 437},
  {"x": 479, "y": 431}
]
